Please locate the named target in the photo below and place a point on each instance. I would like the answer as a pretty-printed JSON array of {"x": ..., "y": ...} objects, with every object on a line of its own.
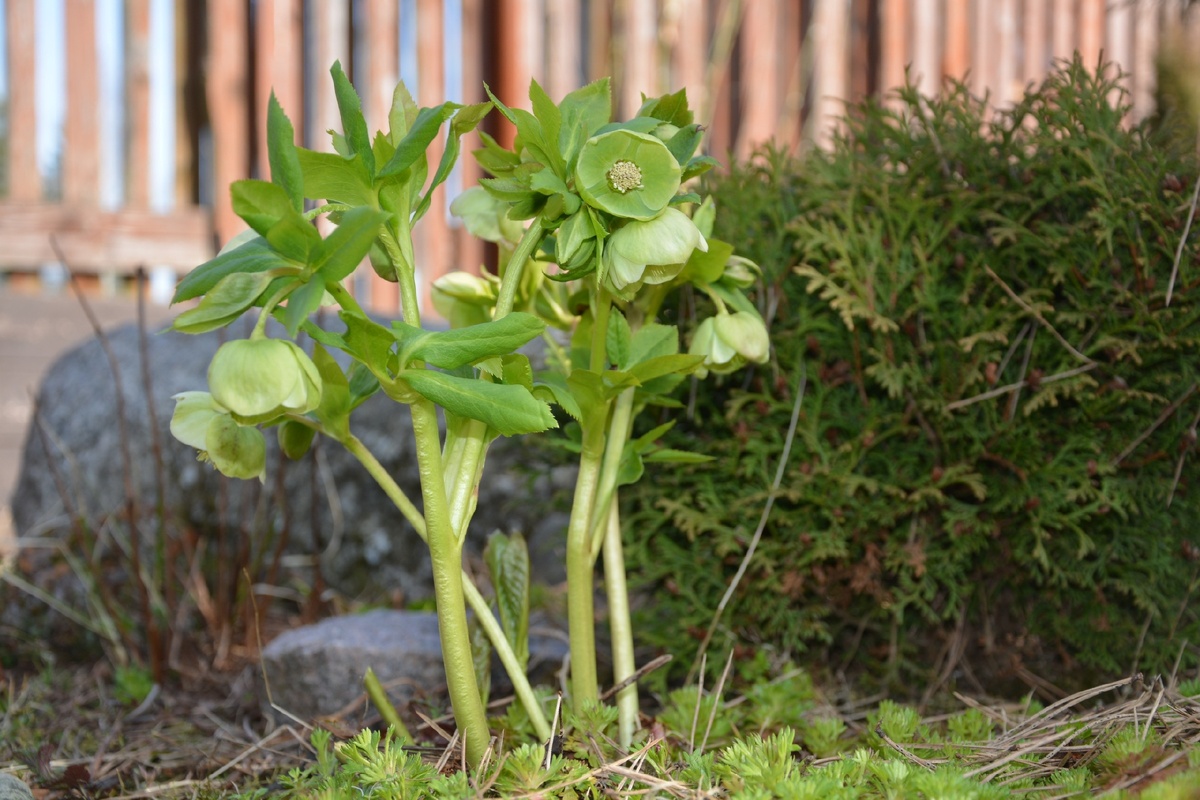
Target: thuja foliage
[{"x": 996, "y": 446}]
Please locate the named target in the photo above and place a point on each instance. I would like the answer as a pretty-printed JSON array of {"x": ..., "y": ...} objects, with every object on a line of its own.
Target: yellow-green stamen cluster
[{"x": 625, "y": 176}]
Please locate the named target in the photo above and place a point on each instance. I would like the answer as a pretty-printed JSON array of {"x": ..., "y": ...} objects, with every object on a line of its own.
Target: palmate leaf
[
  {"x": 509, "y": 410},
  {"x": 332, "y": 177}
]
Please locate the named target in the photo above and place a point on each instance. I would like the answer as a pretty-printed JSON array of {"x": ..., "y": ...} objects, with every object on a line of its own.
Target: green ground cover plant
[{"x": 993, "y": 480}]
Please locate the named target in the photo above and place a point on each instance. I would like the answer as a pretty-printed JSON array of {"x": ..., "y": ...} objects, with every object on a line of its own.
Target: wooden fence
[{"x": 757, "y": 70}]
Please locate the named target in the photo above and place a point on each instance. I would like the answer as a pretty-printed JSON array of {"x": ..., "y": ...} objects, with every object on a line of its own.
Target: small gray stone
[
  {"x": 317, "y": 670},
  {"x": 12, "y": 788}
]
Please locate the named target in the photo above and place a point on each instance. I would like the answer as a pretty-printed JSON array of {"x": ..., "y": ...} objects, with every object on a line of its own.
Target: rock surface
[
  {"x": 12, "y": 788},
  {"x": 326, "y": 503},
  {"x": 317, "y": 670}
]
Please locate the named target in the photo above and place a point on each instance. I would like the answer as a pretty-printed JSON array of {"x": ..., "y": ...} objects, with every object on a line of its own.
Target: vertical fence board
[
  {"x": 1034, "y": 36},
  {"x": 1062, "y": 29},
  {"x": 831, "y": 73},
  {"x": 471, "y": 250},
  {"x": 520, "y": 52},
  {"x": 81, "y": 165},
  {"x": 956, "y": 60},
  {"x": 986, "y": 51},
  {"x": 1090, "y": 38},
  {"x": 433, "y": 234},
  {"x": 760, "y": 93},
  {"x": 718, "y": 80},
  {"x": 332, "y": 28},
  {"x": 1006, "y": 88},
  {"x": 688, "y": 20},
  {"x": 24, "y": 177},
  {"x": 792, "y": 51},
  {"x": 1118, "y": 45},
  {"x": 383, "y": 52},
  {"x": 1145, "y": 43},
  {"x": 894, "y": 45},
  {"x": 279, "y": 68},
  {"x": 926, "y": 54},
  {"x": 228, "y": 108},
  {"x": 564, "y": 57},
  {"x": 137, "y": 110},
  {"x": 639, "y": 59}
]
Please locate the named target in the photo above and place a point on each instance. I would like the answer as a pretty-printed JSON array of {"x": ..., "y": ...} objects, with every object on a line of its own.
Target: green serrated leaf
[
  {"x": 368, "y": 341},
  {"x": 584, "y": 111},
  {"x": 465, "y": 121},
  {"x": 293, "y": 237},
  {"x": 658, "y": 366},
  {"x": 253, "y": 256},
  {"x": 508, "y": 562},
  {"x": 416, "y": 141},
  {"x": 343, "y": 250},
  {"x": 354, "y": 125},
  {"x": 552, "y": 388},
  {"x": 461, "y": 346},
  {"x": 224, "y": 303},
  {"x": 402, "y": 114},
  {"x": 281, "y": 154},
  {"x": 667, "y": 455},
  {"x": 336, "y": 395},
  {"x": 517, "y": 370},
  {"x": 708, "y": 267},
  {"x": 618, "y": 339},
  {"x": 652, "y": 341},
  {"x": 698, "y": 166},
  {"x": 260, "y": 204},
  {"x": 301, "y": 304},
  {"x": 507, "y": 409},
  {"x": 550, "y": 122},
  {"x": 685, "y": 141},
  {"x": 329, "y": 176}
]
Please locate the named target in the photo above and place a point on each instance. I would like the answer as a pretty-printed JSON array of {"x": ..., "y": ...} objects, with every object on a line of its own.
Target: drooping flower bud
[
  {"x": 651, "y": 252},
  {"x": 463, "y": 299},
  {"x": 235, "y": 450},
  {"x": 628, "y": 174},
  {"x": 258, "y": 380},
  {"x": 486, "y": 217},
  {"x": 729, "y": 341}
]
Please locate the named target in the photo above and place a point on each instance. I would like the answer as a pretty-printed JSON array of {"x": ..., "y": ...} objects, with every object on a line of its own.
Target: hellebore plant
[{"x": 599, "y": 200}]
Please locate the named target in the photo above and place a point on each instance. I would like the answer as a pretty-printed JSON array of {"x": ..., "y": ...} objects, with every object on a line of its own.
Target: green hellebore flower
[
  {"x": 729, "y": 341},
  {"x": 235, "y": 450},
  {"x": 486, "y": 217},
  {"x": 260, "y": 379},
  {"x": 463, "y": 299},
  {"x": 741, "y": 272},
  {"x": 651, "y": 252},
  {"x": 628, "y": 174}
]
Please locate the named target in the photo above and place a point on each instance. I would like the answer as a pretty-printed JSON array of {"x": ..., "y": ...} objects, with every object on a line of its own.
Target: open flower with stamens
[{"x": 627, "y": 174}]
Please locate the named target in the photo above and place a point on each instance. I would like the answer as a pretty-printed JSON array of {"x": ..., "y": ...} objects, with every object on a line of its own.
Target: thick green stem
[
  {"x": 522, "y": 688},
  {"x": 614, "y": 447},
  {"x": 600, "y": 328},
  {"x": 620, "y": 627},
  {"x": 475, "y": 449},
  {"x": 508, "y": 658},
  {"x": 446, "y": 555},
  {"x": 581, "y": 617}
]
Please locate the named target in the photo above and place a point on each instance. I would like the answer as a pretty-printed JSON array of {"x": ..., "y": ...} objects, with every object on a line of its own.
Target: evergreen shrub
[{"x": 994, "y": 475}]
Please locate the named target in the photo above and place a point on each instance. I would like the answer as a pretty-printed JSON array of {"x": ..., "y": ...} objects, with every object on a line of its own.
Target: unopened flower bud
[{"x": 260, "y": 379}]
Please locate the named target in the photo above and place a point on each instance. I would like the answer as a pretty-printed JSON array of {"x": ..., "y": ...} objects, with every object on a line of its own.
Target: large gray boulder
[{"x": 325, "y": 504}]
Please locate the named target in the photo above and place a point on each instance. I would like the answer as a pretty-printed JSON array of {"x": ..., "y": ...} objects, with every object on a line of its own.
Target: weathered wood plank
[
  {"x": 564, "y": 56},
  {"x": 1148, "y": 18},
  {"x": 1091, "y": 31},
  {"x": 927, "y": 40},
  {"x": 956, "y": 57},
  {"x": 639, "y": 61},
  {"x": 92, "y": 239},
  {"x": 279, "y": 68},
  {"x": 471, "y": 251},
  {"x": 760, "y": 68},
  {"x": 433, "y": 232},
  {"x": 24, "y": 176},
  {"x": 137, "y": 100},
  {"x": 831, "y": 77},
  {"x": 894, "y": 54},
  {"x": 81, "y": 134},
  {"x": 228, "y": 108},
  {"x": 382, "y": 21},
  {"x": 1063, "y": 40}
]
